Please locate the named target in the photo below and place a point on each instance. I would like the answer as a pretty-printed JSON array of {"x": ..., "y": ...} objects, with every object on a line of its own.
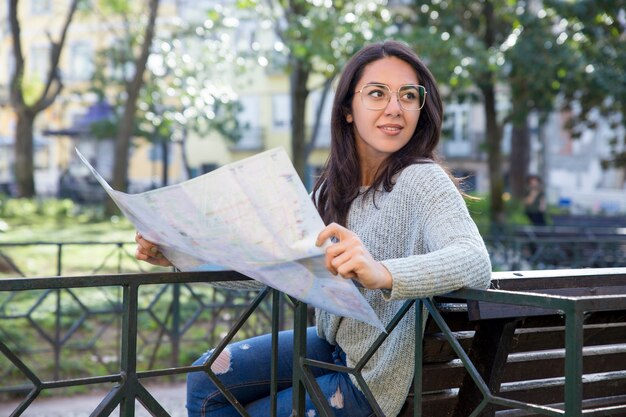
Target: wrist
[{"x": 386, "y": 281}]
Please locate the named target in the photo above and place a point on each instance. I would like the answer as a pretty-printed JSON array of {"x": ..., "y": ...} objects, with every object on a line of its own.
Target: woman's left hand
[{"x": 349, "y": 258}]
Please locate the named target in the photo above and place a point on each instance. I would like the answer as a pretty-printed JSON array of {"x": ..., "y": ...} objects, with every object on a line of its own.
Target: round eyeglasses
[{"x": 376, "y": 96}]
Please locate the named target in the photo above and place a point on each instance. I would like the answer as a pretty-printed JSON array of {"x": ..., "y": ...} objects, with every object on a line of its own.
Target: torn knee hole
[
  {"x": 222, "y": 363},
  {"x": 336, "y": 401}
]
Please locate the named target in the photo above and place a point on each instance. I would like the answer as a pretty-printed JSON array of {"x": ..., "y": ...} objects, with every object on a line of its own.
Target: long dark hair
[{"x": 340, "y": 179}]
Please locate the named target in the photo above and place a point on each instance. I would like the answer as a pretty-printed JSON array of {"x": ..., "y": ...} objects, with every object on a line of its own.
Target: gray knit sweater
[{"x": 422, "y": 232}]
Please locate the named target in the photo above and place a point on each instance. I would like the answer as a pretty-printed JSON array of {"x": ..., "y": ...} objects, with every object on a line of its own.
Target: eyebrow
[{"x": 381, "y": 83}]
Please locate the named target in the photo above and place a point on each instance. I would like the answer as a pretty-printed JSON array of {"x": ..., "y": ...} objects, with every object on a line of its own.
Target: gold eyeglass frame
[{"x": 391, "y": 92}]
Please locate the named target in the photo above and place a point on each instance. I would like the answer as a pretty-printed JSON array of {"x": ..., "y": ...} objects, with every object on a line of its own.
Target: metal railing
[
  {"x": 69, "y": 319},
  {"x": 129, "y": 379},
  {"x": 519, "y": 248},
  {"x": 112, "y": 260}
]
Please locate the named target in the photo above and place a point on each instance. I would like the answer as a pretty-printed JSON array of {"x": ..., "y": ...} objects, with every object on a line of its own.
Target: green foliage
[
  {"x": 479, "y": 209},
  {"x": 19, "y": 211},
  {"x": 28, "y": 219},
  {"x": 180, "y": 93},
  {"x": 595, "y": 84}
]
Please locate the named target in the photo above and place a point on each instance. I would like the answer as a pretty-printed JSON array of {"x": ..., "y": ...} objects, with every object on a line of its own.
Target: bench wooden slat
[{"x": 520, "y": 351}]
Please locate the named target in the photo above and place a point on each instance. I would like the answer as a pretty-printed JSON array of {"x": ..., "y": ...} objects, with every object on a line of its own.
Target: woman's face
[{"x": 380, "y": 133}]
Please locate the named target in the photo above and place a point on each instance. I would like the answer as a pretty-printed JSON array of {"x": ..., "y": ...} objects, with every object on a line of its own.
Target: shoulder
[{"x": 429, "y": 175}]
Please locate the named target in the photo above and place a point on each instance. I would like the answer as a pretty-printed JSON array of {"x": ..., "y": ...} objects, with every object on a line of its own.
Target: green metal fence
[{"x": 128, "y": 382}]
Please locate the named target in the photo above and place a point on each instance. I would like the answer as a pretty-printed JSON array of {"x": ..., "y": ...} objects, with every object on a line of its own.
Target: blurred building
[{"x": 571, "y": 168}]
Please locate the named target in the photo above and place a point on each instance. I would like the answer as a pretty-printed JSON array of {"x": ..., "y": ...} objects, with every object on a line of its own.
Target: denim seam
[{"x": 218, "y": 392}]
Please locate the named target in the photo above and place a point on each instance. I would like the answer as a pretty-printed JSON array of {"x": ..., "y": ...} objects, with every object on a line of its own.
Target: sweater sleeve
[{"x": 455, "y": 254}]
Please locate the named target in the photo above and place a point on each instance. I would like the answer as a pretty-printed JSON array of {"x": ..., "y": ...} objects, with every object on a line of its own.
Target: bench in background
[{"x": 520, "y": 351}]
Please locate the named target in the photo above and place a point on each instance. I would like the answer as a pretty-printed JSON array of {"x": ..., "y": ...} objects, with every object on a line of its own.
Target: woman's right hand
[{"x": 149, "y": 252}]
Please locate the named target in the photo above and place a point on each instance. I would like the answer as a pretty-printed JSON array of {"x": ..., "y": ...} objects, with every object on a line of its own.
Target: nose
[{"x": 393, "y": 105}]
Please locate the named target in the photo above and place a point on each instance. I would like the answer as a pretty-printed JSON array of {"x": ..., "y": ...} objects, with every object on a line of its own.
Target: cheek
[{"x": 413, "y": 122}]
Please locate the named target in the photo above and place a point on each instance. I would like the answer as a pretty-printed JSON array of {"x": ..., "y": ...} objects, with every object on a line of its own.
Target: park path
[{"x": 171, "y": 397}]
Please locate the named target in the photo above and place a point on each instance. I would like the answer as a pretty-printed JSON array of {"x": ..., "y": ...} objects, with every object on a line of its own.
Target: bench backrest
[{"x": 520, "y": 351}]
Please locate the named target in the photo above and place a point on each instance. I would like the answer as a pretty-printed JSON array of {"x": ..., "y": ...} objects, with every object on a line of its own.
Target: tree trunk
[
  {"x": 317, "y": 123},
  {"x": 494, "y": 138},
  {"x": 26, "y": 114},
  {"x": 24, "y": 154},
  {"x": 299, "y": 93},
  {"x": 165, "y": 158},
  {"x": 520, "y": 157},
  {"x": 122, "y": 142},
  {"x": 496, "y": 182},
  {"x": 183, "y": 153}
]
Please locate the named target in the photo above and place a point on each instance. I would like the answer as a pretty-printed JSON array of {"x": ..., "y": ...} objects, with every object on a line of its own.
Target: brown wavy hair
[{"x": 340, "y": 179}]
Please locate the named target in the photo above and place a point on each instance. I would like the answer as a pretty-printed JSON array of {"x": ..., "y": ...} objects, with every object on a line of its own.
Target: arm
[
  {"x": 349, "y": 258},
  {"x": 440, "y": 250},
  {"x": 454, "y": 254}
]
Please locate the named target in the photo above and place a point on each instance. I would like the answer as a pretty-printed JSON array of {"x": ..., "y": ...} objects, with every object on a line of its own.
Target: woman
[{"x": 399, "y": 227}]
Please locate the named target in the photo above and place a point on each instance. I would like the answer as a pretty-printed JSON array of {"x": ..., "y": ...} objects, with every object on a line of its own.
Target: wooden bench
[
  {"x": 588, "y": 220},
  {"x": 520, "y": 350}
]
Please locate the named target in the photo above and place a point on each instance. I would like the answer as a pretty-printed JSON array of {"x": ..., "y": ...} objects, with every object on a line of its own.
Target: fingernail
[{"x": 153, "y": 249}]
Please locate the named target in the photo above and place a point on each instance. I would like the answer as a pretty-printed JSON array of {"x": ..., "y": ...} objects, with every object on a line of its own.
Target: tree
[
  {"x": 28, "y": 99},
  {"x": 595, "y": 84},
  {"x": 133, "y": 87},
  {"x": 536, "y": 66},
  {"x": 316, "y": 40},
  {"x": 491, "y": 46},
  {"x": 181, "y": 92},
  {"x": 134, "y": 50}
]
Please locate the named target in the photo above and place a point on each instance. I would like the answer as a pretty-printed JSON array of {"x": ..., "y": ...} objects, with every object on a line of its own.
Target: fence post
[
  {"x": 59, "y": 259},
  {"x": 175, "y": 335},
  {"x": 299, "y": 352}
]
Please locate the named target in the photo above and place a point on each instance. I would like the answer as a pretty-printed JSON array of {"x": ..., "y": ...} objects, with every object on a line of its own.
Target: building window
[
  {"x": 456, "y": 129},
  {"x": 323, "y": 135},
  {"x": 248, "y": 118},
  {"x": 39, "y": 62},
  {"x": 40, "y": 6},
  {"x": 281, "y": 112},
  {"x": 81, "y": 61}
]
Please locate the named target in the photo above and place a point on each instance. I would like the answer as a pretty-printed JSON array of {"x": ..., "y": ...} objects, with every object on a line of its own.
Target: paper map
[{"x": 253, "y": 216}]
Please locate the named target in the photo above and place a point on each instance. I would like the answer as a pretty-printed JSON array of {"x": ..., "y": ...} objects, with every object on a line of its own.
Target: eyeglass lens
[{"x": 377, "y": 96}]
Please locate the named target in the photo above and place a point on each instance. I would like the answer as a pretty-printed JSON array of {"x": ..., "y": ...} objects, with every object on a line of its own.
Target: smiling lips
[{"x": 391, "y": 129}]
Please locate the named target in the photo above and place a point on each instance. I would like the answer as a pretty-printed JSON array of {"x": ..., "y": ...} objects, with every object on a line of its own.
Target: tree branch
[
  {"x": 46, "y": 97},
  {"x": 318, "y": 116},
  {"x": 17, "y": 98}
]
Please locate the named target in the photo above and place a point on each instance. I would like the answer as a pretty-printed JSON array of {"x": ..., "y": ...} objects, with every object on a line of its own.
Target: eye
[
  {"x": 375, "y": 92},
  {"x": 409, "y": 94}
]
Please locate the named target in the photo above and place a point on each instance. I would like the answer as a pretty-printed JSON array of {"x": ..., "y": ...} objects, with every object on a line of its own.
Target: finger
[
  {"x": 331, "y": 230},
  {"x": 339, "y": 260},
  {"x": 348, "y": 269},
  {"x": 157, "y": 259},
  {"x": 329, "y": 265},
  {"x": 346, "y": 272},
  {"x": 148, "y": 246},
  {"x": 146, "y": 252},
  {"x": 348, "y": 244},
  {"x": 140, "y": 255}
]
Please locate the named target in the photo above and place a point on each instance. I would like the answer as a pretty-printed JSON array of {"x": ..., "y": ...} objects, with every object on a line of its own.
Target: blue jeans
[{"x": 244, "y": 368}]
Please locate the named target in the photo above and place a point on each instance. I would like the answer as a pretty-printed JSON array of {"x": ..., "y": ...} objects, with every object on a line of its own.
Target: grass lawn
[{"x": 77, "y": 228}]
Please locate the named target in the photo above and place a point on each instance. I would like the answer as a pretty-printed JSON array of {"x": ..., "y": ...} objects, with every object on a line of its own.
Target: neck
[{"x": 368, "y": 173}]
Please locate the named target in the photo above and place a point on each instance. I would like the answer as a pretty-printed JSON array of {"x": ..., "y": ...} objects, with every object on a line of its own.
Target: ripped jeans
[{"x": 244, "y": 368}]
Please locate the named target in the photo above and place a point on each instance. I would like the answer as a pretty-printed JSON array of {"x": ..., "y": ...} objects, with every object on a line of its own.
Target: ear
[{"x": 349, "y": 118}]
